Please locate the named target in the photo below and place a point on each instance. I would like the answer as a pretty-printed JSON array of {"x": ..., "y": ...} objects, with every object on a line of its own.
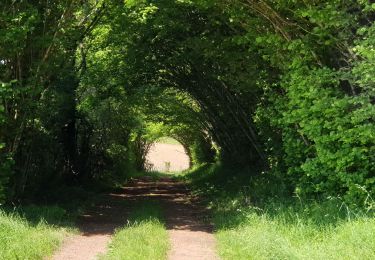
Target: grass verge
[
  {"x": 145, "y": 236},
  {"x": 155, "y": 176},
  {"x": 28, "y": 233},
  {"x": 36, "y": 231},
  {"x": 255, "y": 220}
]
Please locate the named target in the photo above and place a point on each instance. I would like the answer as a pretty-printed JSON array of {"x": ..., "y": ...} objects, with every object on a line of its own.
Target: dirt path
[
  {"x": 190, "y": 237},
  {"x": 189, "y": 233},
  {"x": 96, "y": 227}
]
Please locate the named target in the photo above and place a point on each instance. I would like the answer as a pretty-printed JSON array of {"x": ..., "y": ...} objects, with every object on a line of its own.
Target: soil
[
  {"x": 189, "y": 231},
  {"x": 96, "y": 227}
]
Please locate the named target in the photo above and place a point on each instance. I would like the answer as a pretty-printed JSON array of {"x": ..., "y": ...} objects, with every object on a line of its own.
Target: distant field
[{"x": 168, "y": 157}]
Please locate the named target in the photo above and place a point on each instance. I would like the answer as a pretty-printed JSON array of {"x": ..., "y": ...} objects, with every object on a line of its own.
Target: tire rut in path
[
  {"x": 190, "y": 237},
  {"x": 96, "y": 226}
]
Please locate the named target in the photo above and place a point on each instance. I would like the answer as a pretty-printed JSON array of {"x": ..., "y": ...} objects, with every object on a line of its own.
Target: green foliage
[
  {"x": 322, "y": 104},
  {"x": 37, "y": 56},
  {"x": 5, "y": 160},
  {"x": 142, "y": 114},
  {"x": 6, "y": 164},
  {"x": 285, "y": 86},
  {"x": 327, "y": 136}
]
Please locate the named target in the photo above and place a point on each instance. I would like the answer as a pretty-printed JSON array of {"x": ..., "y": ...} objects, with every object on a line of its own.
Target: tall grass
[
  {"x": 144, "y": 237},
  {"x": 27, "y": 234},
  {"x": 293, "y": 234},
  {"x": 255, "y": 221}
]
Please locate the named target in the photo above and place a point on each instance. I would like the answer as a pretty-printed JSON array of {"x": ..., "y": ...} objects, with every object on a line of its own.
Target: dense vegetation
[{"x": 285, "y": 88}]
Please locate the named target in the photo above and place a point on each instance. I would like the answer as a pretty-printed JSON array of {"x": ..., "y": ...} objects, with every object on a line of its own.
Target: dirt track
[{"x": 190, "y": 237}]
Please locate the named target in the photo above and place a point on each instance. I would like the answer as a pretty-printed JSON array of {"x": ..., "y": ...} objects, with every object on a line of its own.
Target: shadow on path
[
  {"x": 187, "y": 223},
  {"x": 190, "y": 236}
]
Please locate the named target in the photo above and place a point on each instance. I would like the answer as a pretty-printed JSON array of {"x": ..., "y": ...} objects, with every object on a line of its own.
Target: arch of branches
[{"x": 283, "y": 85}]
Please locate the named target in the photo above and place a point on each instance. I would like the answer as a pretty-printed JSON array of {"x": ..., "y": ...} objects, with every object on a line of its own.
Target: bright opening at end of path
[{"x": 167, "y": 155}]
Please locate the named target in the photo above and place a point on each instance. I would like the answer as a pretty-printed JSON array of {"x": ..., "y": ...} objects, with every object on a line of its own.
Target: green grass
[
  {"x": 28, "y": 233},
  {"x": 167, "y": 140},
  {"x": 155, "y": 176},
  {"x": 256, "y": 220},
  {"x": 145, "y": 236},
  {"x": 260, "y": 235}
]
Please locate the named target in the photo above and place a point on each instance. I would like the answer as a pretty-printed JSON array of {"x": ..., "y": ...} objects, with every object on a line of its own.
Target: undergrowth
[
  {"x": 35, "y": 228},
  {"x": 257, "y": 218},
  {"x": 32, "y": 232}
]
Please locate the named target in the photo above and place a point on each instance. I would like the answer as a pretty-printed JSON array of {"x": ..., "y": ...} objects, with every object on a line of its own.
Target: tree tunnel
[
  {"x": 87, "y": 86},
  {"x": 150, "y": 59},
  {"x": 111, "y": 78}
]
